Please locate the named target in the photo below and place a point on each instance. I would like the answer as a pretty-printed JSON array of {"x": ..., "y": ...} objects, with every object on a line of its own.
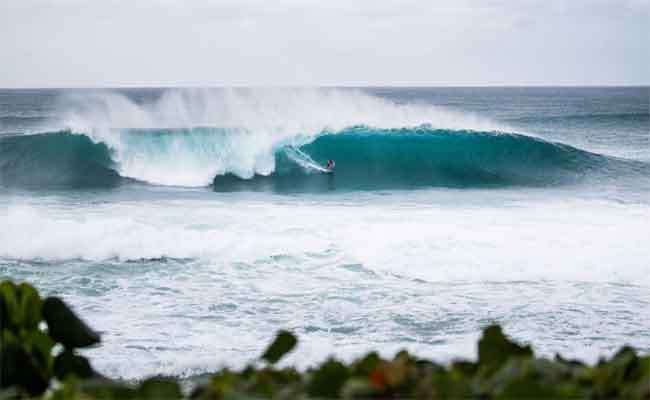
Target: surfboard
[{"x": 305, "y": 161}]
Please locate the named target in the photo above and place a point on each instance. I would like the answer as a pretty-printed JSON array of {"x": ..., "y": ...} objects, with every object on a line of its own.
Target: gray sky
[{"x": 323, "y": 42}]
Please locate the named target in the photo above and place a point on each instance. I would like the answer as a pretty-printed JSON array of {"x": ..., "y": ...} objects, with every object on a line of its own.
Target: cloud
[{"x": 310, "y": 42}]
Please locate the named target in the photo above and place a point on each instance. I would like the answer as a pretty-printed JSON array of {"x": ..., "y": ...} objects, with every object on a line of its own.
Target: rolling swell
[
  {"x": 368, "y": 159},
  {"x": 56, "y": 160}
]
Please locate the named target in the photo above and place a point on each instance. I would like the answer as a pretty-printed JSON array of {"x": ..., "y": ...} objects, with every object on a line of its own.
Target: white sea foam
[
  {"x": 424, "y": 273},
  {"x": 434, "y": 243},
  {"x": 248, "y": 125}
]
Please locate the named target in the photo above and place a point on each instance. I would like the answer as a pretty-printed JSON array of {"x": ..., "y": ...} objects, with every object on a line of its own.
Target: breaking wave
[
  {"x": 255, "y": 139},
  {"x": 366, "y": 158}
]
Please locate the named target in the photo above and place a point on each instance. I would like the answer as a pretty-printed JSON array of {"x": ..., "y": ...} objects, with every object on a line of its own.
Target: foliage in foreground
[{"x": 39, "y": 358}]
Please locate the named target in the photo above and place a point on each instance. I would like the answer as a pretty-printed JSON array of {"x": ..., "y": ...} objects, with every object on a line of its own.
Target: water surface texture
[{"x": 189, "y": 225}]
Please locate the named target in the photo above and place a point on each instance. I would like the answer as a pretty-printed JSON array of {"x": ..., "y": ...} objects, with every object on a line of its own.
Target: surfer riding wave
[{"x": 330, "y": 165}]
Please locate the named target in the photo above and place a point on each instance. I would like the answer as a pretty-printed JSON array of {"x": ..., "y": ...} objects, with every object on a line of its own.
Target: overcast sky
[{"x": 323, "y": 42}]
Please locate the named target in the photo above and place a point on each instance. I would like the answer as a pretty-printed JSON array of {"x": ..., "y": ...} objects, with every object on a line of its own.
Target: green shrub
[{"x": 31, "y": 328}]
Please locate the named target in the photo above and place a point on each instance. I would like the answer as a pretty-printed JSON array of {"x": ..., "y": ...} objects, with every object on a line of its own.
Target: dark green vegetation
[{"x": 40, "y": 338}]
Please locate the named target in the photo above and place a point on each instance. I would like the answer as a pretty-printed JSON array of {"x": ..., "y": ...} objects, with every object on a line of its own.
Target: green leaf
[
  {"x": 268, "y": 382},
  {"x": 11, "y": 393},
  {"x": 283, "y": 343},
  {"x": 159, "y": 388},
  {"x": 68, "y": 363},
  {"x": 103, "y": 388},
  {"x": 494, "y": 348},
  {"x": 239, "y": 396},
  {"x": 641, "y": 388},
  {"x": 40, "y": 345},
  {"x": 366, "y": 365},
  {"x": 627, "y": 363},
  {"x": 65, "y": 327},
  {"x": 611, "y": 377},
  {"x": 328, "y": 380},
  {"x": 19, "y": 368},
  {"x": 10, "y": 310},
  {"x": 526, "y": 388},
  {"x": 467, "y": 368},
  {"x": 223, "y": 382},
  {"x": 30, "y": 306},
  {"x": 204, "y": 392},
  {"x": 68, "y": 390},
  {"x": 358, "y": 388},
  {"x": 8, "y": 365},
  {"x": 4, "y": 313}
]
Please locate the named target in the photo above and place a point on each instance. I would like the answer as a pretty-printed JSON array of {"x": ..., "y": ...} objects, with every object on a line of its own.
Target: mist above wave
[{"x": 258, "y": 121}]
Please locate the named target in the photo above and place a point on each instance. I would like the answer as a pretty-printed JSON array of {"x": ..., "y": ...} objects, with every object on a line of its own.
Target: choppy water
[{"x": 189, "y": 225}]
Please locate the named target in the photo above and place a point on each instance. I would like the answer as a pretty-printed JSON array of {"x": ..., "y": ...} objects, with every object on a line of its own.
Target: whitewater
[{"x": 188, "y": 225}]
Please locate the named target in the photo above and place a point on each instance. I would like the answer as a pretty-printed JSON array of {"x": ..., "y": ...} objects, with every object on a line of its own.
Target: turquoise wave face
[
  {"x": 58, "y": 159},
  {"x": 366, "y": 159},
  {"x": 370, "y": 159}
]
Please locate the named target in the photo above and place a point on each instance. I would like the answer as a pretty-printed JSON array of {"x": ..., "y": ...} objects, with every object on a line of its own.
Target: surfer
[{"x": 330, "y": 165}]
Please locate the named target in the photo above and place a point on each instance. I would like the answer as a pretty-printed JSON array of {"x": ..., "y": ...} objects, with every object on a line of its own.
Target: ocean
[{"x": 189, "y": 225}]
